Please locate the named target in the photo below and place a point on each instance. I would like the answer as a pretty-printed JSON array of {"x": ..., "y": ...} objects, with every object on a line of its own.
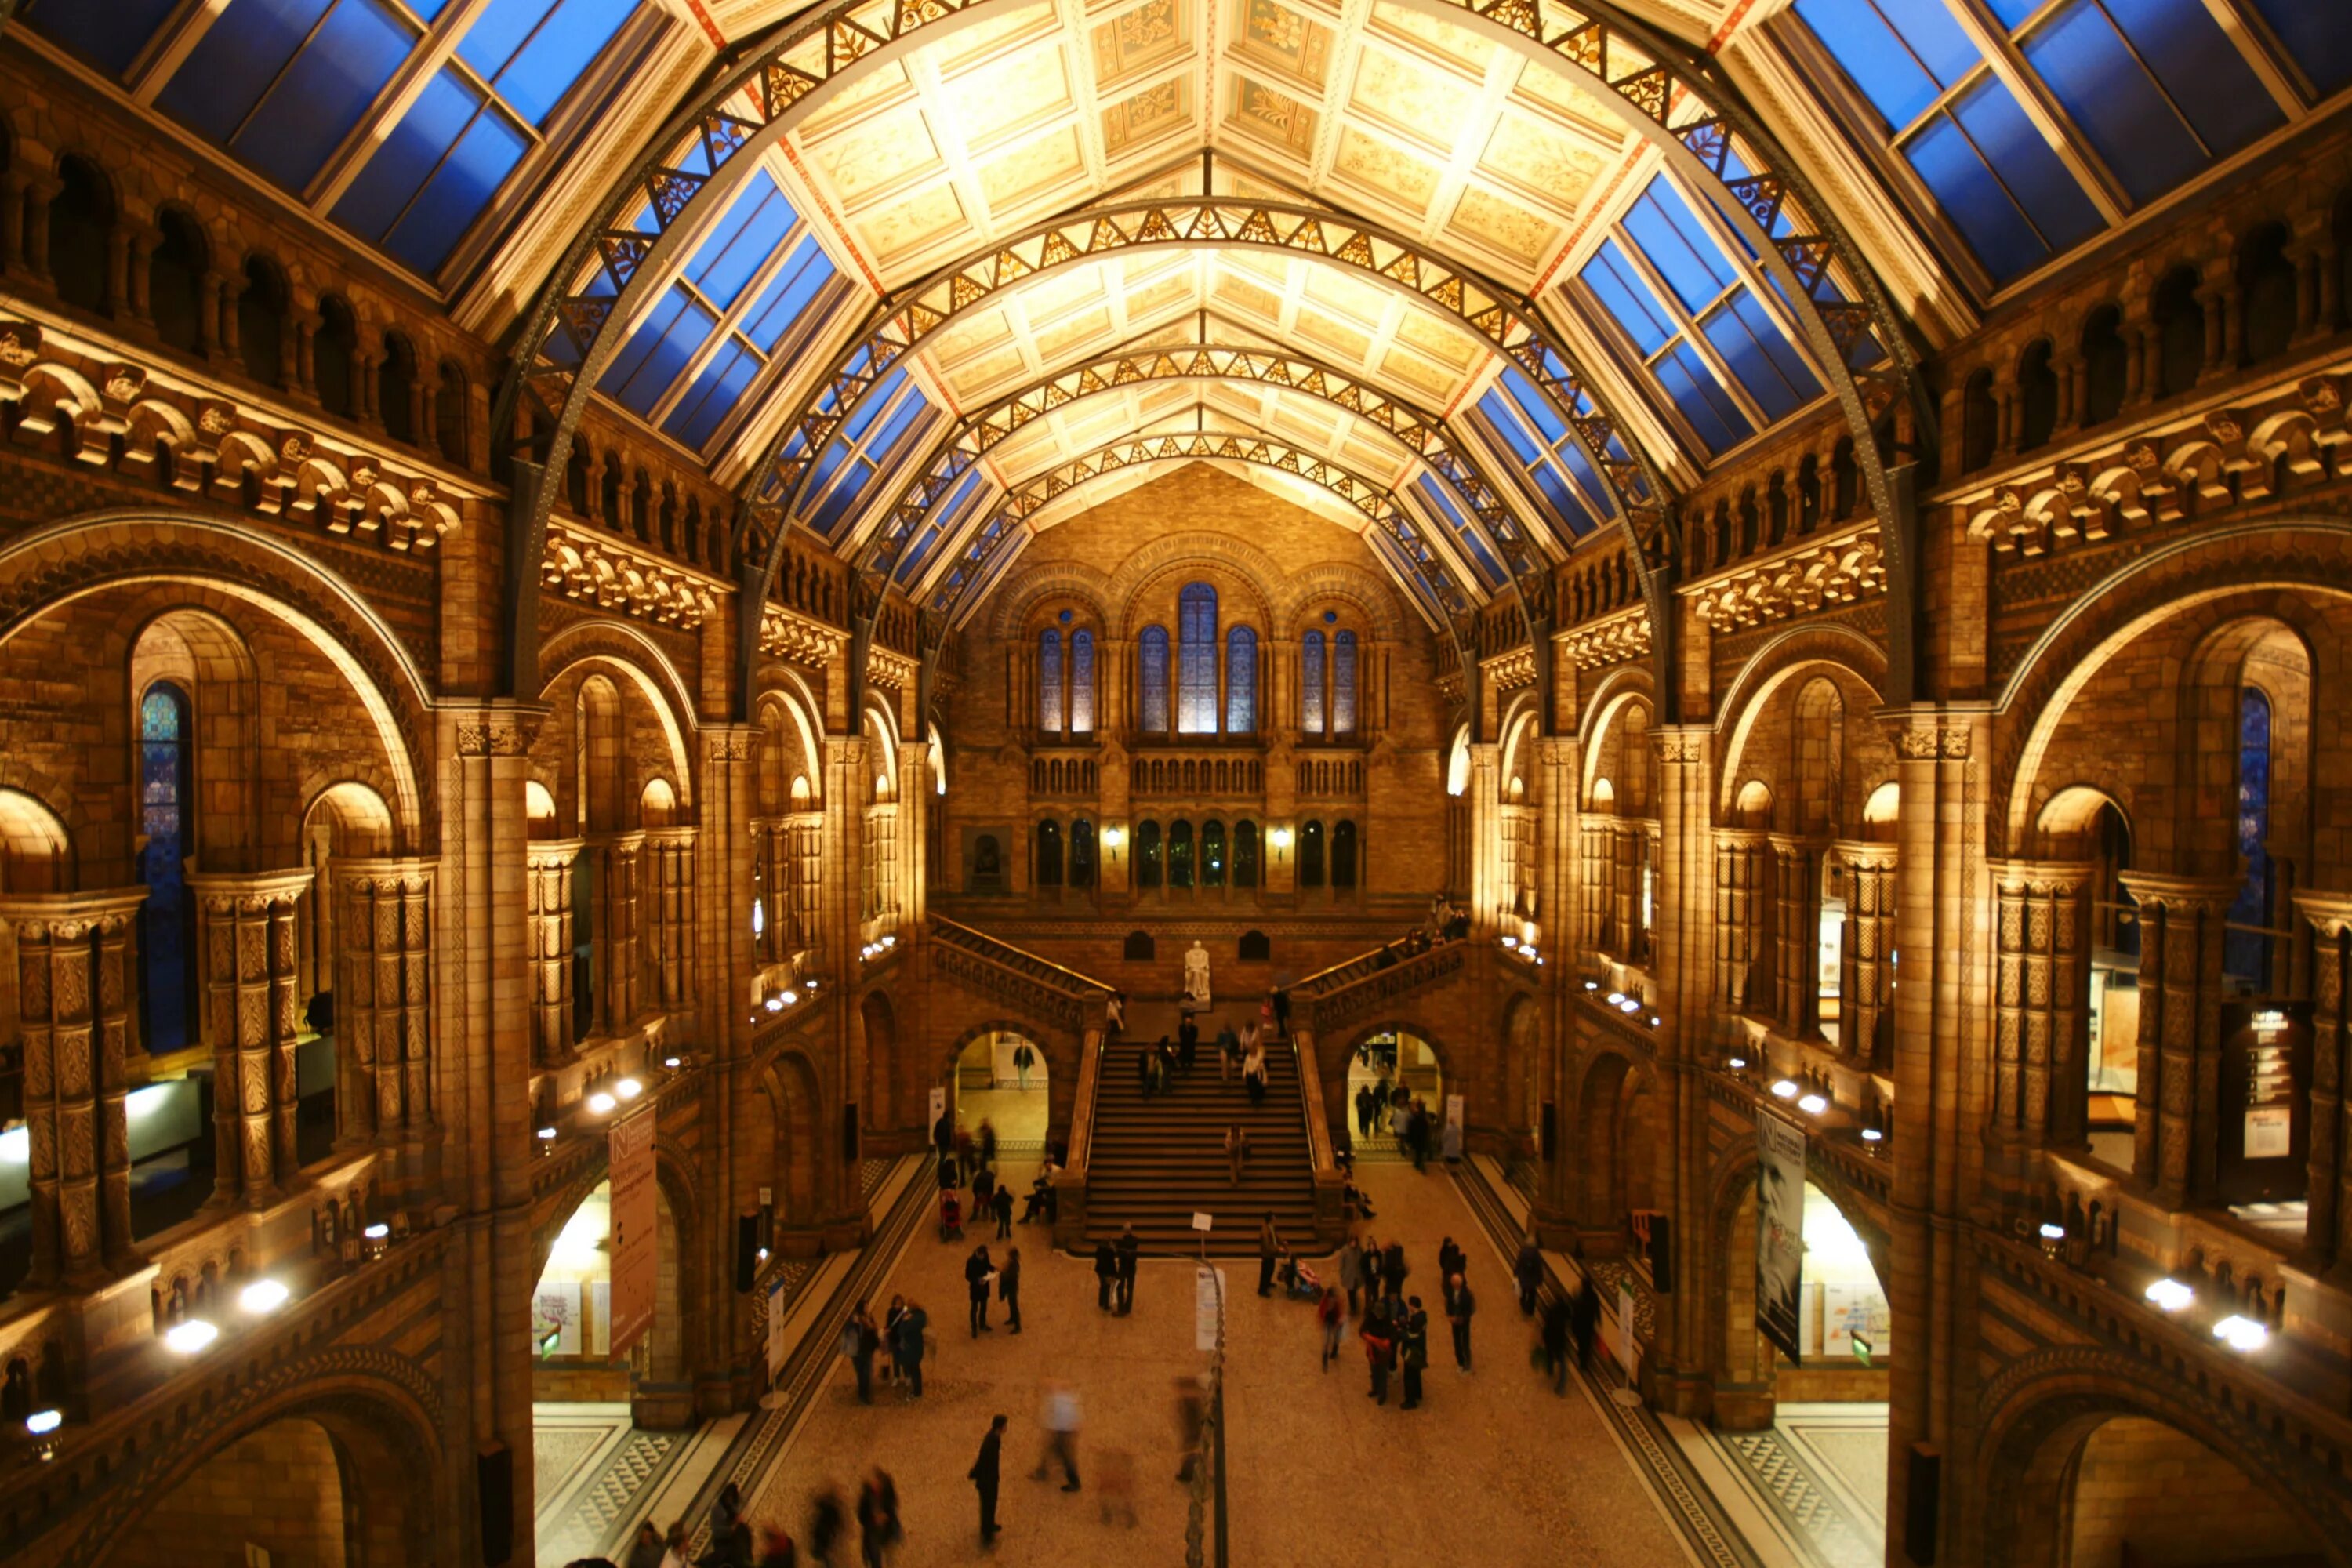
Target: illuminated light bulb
[
  {"x": 1631, "y": 1004},
  {"x": 671, "y": 1062},
  {"x": 41, "y": 1423},
  {"x": 1593, "y": 985},
  {"x": 547, "y": 1135},
  {"x": 2241, "y": 1334},
  {"x": 377, "y": 1232},
  {"x": 1616, "y": 998},
  {"x": 1736, "y": 1063},
  {"x": 628, "y": 1088},
  {"x": 789, "y": 998},
  {"x": 2169, "y": 1295},
  {"x": 1812, "y": 1104},
  {"x": 602, "y": 1103},
  {"x": 1655, "y": 1020},
  {"x": 1784, "y": 1089},
  {"x": 1872, "y": 1135},
  {"x": 262, "y": 1297},
  {"x": 188, "y": 1338},
  {"x": 775, "y": 1003}
]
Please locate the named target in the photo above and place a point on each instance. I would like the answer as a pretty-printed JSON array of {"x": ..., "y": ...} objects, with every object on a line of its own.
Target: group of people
[
  {"x": 1115, "y": 1272},
  {"x": 1158, "y": 1065},
  {"x": 963, "y": 1157},
  {"x": 1060, "y": 1412},
  {"x": 736, "y": 1542}
]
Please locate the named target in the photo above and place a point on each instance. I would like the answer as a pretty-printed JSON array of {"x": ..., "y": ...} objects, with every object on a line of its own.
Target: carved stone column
[
  {"x": 807, "y": 931},
  {"x": 1865, "y": 970},
  {"x": 2176, "y": 1136},
  {"x": 1744, "y": 890},
  {"x": 253, "y": 1009},
  {"x": 75, "y": 981},
  {"x": 384, "y": 1001},
  {"x": 2041, "y": 1024},
  {"x": 615, "y": 859},
  {"x": 1796, "y": 935},
  {"x": 667, "y": 869},
  {"x": 2329, "y": 1192},
  {"x": 1597, "y": 857},
  {"x": 548, "y": 915}
]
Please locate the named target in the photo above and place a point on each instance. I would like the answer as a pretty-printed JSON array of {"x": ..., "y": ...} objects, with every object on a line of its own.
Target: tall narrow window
[
  {"x": 1179, "y": 855},
  {"x": 1151, "y": 650},
  {"x": 1049, "y": 854},
  {"x": 1049, "y": 681},
  {"x": 1082, "y": 853},
  {"x": 1082, "y": 683},
  {"x": 1244, "y": 853},
  {"x": 1196, "y": 660},
  {"x": 1310, "y": 685},
  {"x": 1343, "y": 684},
  {"x": 1343, "y": 855},
  {"x": 1147, "y": 854},
  {"x": 1212, "y": 855},
  {"x": 1310, "y": 855},
  {"x": 2246, "y": 953},
  {"x": 164, "y": 950},
  {"x": 1241, "y": 681}
]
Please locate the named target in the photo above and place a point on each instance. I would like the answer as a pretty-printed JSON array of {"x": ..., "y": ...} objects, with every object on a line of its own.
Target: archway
[
  {"x": 999, "y": 1077},
  {"x": 1392, "y": 1071}
]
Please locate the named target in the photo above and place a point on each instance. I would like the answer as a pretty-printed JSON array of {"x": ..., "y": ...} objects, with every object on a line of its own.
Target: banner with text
[
  {"x": 1780, "y": 1230},
  {"x": 636, "y": 1248}
]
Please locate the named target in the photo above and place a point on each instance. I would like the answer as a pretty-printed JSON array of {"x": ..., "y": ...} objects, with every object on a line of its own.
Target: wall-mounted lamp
[
  {"x": 1111, "y": 840},
  {"x": 1280, "y": 840}
]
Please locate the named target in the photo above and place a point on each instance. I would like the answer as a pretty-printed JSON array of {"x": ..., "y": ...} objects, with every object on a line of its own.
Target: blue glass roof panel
[
  {"x": 788, "y": 294},
  {"x": 2315, "y": 38},
  {"x": 716, "y": 390},
  {"x": 1766, "y": 362},
  {"x": 658, "y": 352},
  {"x": 2114, "y": 90},
  {"x": 1901, "y": 55},
  {"x": 112, "y": 34},
  {"x": 1662, "y": 224},
  {"x": 1615, "y": 281},
  {"x": 464, "y": 184},
  {"x": 748, "y": 231},
  {"x": 398, "y": 169},
  {"x": 1713, "y": 417},
  {"x": 861, "y": 418}
]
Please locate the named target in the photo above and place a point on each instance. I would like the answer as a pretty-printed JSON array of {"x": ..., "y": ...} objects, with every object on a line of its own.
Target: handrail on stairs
[{"x": 1081, "y": 983}]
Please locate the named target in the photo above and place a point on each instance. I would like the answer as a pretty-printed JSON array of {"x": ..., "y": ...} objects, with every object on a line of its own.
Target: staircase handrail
[
  {"x": 1021, "y": 960},
  {"x": 1082, "y": 1111},
  {"x": 1310, "y": 1100},
  {"x": 1358, "y": 993}
]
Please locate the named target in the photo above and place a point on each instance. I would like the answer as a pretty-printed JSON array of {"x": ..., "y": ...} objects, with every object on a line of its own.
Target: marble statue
[{"x": 1196, "y": 976}]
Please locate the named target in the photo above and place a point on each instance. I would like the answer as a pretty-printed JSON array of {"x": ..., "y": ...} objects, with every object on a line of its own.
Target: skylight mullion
[
  {"x": 2100, "y": 184},
  {"x": 177, "y": 44},
  {"x": 437, "y": 44},
  {"x": 2131, "y": 47},
  {"x": 1688, "y": 332},
  {"x": 1748, "y": 273},
  {"x": 2263, "y": 56}
]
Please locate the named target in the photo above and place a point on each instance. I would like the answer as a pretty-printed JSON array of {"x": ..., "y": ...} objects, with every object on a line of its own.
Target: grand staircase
[{"x": 1153, "y": 1163}]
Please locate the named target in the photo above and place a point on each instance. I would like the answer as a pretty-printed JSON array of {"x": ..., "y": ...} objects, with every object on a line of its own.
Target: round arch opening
[
  {"x": 999, "y": 1079},
  {"x": 1393, "y": 1073}
]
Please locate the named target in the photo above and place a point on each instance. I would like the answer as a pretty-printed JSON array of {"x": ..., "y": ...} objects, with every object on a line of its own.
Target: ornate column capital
[
  {"x": 2035, "y": 879},
  {"x": 2330, "y": 915},
  {"x": 2158, "y": 890},
  {"x": 1864, "y": 855}
]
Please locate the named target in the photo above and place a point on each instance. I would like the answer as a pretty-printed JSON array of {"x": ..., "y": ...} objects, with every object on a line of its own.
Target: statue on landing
[{"x": 1196, "y": 976}]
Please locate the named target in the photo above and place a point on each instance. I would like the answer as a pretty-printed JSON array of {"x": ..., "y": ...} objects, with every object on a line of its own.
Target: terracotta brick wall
[
  {"x": 2143, "y": 1486},
  {"x": 281, "y": 1490}
]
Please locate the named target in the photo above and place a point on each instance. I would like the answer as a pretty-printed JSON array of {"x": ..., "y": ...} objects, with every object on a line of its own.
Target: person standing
[
  {"x": 1105, "y": 1274},
  {"x": 1450, "y": 1260},
  {"x": 1128, "y": 1247},
  {"x": 987, "y": 1144},
  {"x": 1413, "y": 1343},
  {"x": 1058, "y": 1413},
  {"x": 858, "y": 1342},
  {"x": 984, "y": 1194},
  {"x": 1555, "y": 1343},
  {"x": 943, "y": 1140},
  {"x": 978, "y": 1275},
  {"x": 1115, "y": 1014},
  {"x": 1268, "y": 1244},
  {"x": 645, "y": 1550},
  {"x": 1024, "y": 1059},
  {"x": 1352, "y": 1270},
  {"x": 1008, "y": 1286},
  {"x": 1584, "y": 1320},
  {"x": 1529, "y": 1272},
  {"x": 1330, "y": 1312},
  {"x": 1188, "y": 1044},
  {"x": 1393, "y": 1271},
  {"x": 1281, "y": 1013},
  {"x": 1228, "y": 1046},
  {"x": 890, "y": 1336},
  {"x": 1459, "y": 1306},
  {"x": 1379, "y": 1349},
  {"x": 1363, "y": 1110},
  {"x": 986, "y": 1471},
  {"x": 877, "y": 1518},
  {"x": 911, "y": 1347},
  {"x": 1236, "y": 1153},
  {"x": 1001, "y": 1201}
]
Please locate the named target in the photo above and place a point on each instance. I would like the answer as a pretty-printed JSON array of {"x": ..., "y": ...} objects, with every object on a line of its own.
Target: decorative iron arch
[{"x": 570, "y": 336}]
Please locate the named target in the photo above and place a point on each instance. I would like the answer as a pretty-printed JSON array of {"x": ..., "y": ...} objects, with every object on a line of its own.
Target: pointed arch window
[
  {"x": 1310, "y": 684},
  {"x": 1244, "y": 853},
  {"x": 1152, "y": 667},
  {"x": 1343, "y": 855},
  {"x": 1212, "y": 855},
  {"x": 166, "y": 953},
  {"x": 1082, "y": 682},
  {"x": 1082, "y": 853},
  {"x": 1343, "y": 684},
  {"x": 1241, "y": 681},
  {"x": 1310, "y": 855},
  {"x": 1147, "y": 854},
  {"x": 1049, "y": 681},
  {"x": 2246, "y": 953},
  {"x": 1196, "y": 660},
  {"x": 1049, "y": 854},
  {"x": 1179, "y": 855}
]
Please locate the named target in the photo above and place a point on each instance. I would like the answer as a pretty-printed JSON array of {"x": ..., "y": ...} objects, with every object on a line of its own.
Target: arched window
[
  {"x": 1049, "y": 681},
  {"x": 1310, "y": 855},
  {"x": 176, "y": 282},
  {"x": 1147, "y": 854},
  {"x": 1049, "y": 854},
  {"x": 1151, "y": 650},
  {"x": 1082, "y": 853},
  {"x": 1196, "y": 660},
  {"x": 81, "y": 215},
  {"x": 1179, "y": 854},
  {"x": 449, "y": 415},
  {"x": 261, "y": 323},
  {"x": 1082, "y": 682},
  {"x": 1845, "y": 479},
  {"x": 2037, "y": 397},
  {"x": 1343, "y": 855},
  {"x": 1979, "y": 422},
  {"x": 2105, "y": 364},
  {"x": 1244, "y": 853},
  {"x": 1310, "y": 685},
  {"x": 2179, "y": 319},
  {"x": 1343, "y": 684},
  {"x": 609, "y": 492},
  {"x": 2267, "y": 286},
  {"x": 2246, "y": 953},
  {"x": 165, "y": 951},
  {"x": 1212, "y": 855},
  {"x": 1241, "y": 681},
  {"x": 334, "y": 348},
  {"x": 396, "y": 387}
]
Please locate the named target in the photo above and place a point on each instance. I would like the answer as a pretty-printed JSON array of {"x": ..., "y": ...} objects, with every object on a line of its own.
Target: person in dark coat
[
  {"x": 1105, "y": 1274},
  {"x": 987, "y": 1144},
  {"x": 1281, "y": 1012},
  {"x": 983, "y": 1193},
  {"x": 976, "y": 1271},
  {"x": 1529, "y": 1272},
  {"x": 1127, "y": 1248},
  {"x": 911, "y": 1324},
  {"x": 828, "y": 1523},
  {"x": 1267, "y": 1244},
  {"x": 877, "y": 1518},
  {"x": 1008, "y": 1287},
  {"x": 1393, "y": 1271},
  {"x": 1450, "y": 1260},
  {"x": 1413, "y": 1346},
  {"x": 1001, "y": 1201},
  {"x": 1555, "y": 1342},
  {"x": 943, "y": 1138},
  {"x": 1460, "y": 1304},
  {"x": 858, "y": 1342},
  {"x": 1188, "y": 1044},
  {"x": 986, "y": 1471},
  {"x": 1379, "y": 1349},
  {"x": 1584, "y": 1320},
  {"x": 1363, "y": 1110}
]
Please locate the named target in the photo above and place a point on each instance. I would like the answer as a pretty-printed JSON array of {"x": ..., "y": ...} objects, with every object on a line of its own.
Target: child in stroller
[
  {"x": 1297, "y": 1277},
  {"x": 951, "y": 1214}
]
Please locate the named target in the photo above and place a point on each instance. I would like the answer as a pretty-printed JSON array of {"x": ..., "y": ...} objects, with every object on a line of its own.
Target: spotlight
[
  {"x": 41, "y": 1423},
  {"x": 790, "y": 998},
  {"x": 2054, "y": 1237},
  {"x": 262, "y": 1297},
  {"x": 1593, "y": 985},
  {"x": 602, "y": 1103},
  {"x": 1631, "y": 1004},
  {"x": 775, "y": 1003},
  {"x": 2169, "y": 1295},
  {"x": 1655, "y": 1020},
  {"x": 1616, "y": 998},
  {"x": 1784, "y": 1089},
  {"x": 1736, "y": 1064},
  {"x": 2242, "y": 1334},
  {"x": 547, "y": 1135},
  {"x": 673, "y": 1063},
  {"x": 188, "y": 1338},
  {"x": 628, "y": 1088},
  {"x": 1812, "y": 1104},
  {"x": 1872, "y": 1135}
]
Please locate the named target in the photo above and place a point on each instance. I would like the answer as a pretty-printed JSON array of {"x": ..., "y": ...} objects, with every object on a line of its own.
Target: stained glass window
[
  {"x": 1343, "y": 684},
  {"x": 165, "y": 951},
  {"x": 1148, "y": 870},
  {"x": 1212, "y": 855},
  {"x": 1241, "y": 681},
  {"x": 1049, "y": 681},
  {"x": 1196, "y": 660},
  {"x": 1151, "y": 657},
  {"x": 1244, "y": 853},
  {"x": 1179, "y": 855},
  {"x": 2246, "y": 953},
  {"x": 1310, "y": 685},
  {"x": 1082, "y": 682}
]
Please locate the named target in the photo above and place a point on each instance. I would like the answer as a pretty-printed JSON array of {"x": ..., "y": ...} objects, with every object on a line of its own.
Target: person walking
[
  {"x": 1254, "y": 1074},
  {"x": 1192, "y": 1424},
  {"x": 1269, "y": 1245},
  {"x": 1417, "y": 1137},
  {"x": 1059, "y": 1414},
  {"x": 1413, "y": 1344},
  {"x": 877, "y": 1518},
  {"x": 1555, "y": 1343},
  {"x": 1363, "y": 1110},
  {"x": 1024, "y": 1059},
  {"x": 943, "y": 1140},
  {"x": 1450, "y": 1260},
  {"x": 987, "y": 1144},
  {"x": 1527, "y": 1271},
  {"x": 1115, "y": 1014},
  {"x": 911, "y": 1347},
  {"x": 828, "y": 1523},
  {"x": 1001, "y": 1201},
  {"x": 645, "y": 1550},
  {"x": 1584, "y": 1320},
  {"x": 1105, "y": 1274},
  {"x": 1352, "y": 1270},
  {"x": 1332, "y": 1314},
  {"x": 1459, "y": 1306},
  {"x": 776, "y": 1549},
  {"x": 1379, "y": 1349},
  {"x": 984, "y": 1194},
  {"x": 1143, "y": 1060},
  {"x": 985, "y": 1473},
  {"x": 890, "y": 1337},
  {"x": 1281, "y": 1013},
  {"x": 979, "y": 1274},
  {"x": 1236, "y": 1153},
  {"x": 1128, "y": 1247},
  {"x": 859, "y": 1341},
  {"x": 1008, "y": 1287},
  {"x": 1393, "y": 1271},
  {"x": 1228, "y": 1046}
]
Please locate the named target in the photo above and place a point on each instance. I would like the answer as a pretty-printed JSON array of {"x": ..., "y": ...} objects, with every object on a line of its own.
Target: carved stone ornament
[
  {"x": 125, "y": 382},
  {"x": 2143, "y": 457},
  {"x": 20, "y": 343},
  {"x": 1949, "y": 742},
  {"x": 491, "y": 740},
  {"x": 215, "y": 419},
  {"x": 2224, "y": 428},
  {"x": 293, "y": 449},
  {"x": 2320, "y": 395}
]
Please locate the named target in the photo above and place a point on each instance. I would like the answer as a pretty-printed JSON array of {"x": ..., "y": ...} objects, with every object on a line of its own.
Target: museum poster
[
  {"x": 636, "y": 1255},
  {"x": 1780, "y": 1229}
]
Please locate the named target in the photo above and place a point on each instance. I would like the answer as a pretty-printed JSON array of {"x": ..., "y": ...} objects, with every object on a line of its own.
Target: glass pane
[
  {"x": 723, "y": 379},
  {"x": 1766, "y": 362},
  {"x": 2315, "y": 38},
  {"x": 1343, "y": 684},
  {"x": 456, "y": 194},
  {"x": 2024, "y": 163},
  {"x": 1713, "y": 417},
  {"x": 1617, "y": 284},
  {"x": 1049, "y": 681},
  {"x": 1152, "y": 659},
  {"x": 537, "y": 79},
  {"x": 1686, "y": 255},
  {"x": 754, "y": 225},
  {"x": 2245, "y": 954},
  {"x": 235, "y": 62},
  {"x": 1901, "y": 54},
  {"x": 111, "y": 33},
  {"x": 1212, "y": 855},
  {"x": 2118, "y": 103},
  {"x": 1241, "y": 681},
  {"x": 399, "y": 168},
  {"x": 1244, "y": 853},
  {"x": 1310, "y": 684},
  {"x": 788, "y": 294},
  {"x": 1082, "y": 681},
  {"x": 1196, "y": 664},
  {"x": 657, "y": 354},
  {"x": 332, "y": 84},
  {"x": 1179, "y": 855}
]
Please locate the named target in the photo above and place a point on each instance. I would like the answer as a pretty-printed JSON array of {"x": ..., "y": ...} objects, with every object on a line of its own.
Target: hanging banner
[
  {"x": 1780, "y": 1230},
  {"x": 635, "y": 1247}
]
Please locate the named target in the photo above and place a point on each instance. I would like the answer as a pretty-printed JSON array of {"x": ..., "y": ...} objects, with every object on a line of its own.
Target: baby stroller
[
  {"x": 951, "y": 1216},
  {"x": 1301, "y": 1281}
]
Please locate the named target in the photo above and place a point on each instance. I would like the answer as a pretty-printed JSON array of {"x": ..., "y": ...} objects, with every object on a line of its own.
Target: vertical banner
[
  {"x": 1780, "y": 1229},
  {"x": 780, "y": 1344},
  {"x": 636, "y": 1248}
]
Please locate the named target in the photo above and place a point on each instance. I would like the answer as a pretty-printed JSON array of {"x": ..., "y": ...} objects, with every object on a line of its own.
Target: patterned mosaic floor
[{"x": 1821, "y": 1469}]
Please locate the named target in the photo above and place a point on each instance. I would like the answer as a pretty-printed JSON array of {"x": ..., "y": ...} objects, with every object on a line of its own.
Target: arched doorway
[
  {"x": 1393, "y": 1068},
  {"x": 1000, "y": 1078}
]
